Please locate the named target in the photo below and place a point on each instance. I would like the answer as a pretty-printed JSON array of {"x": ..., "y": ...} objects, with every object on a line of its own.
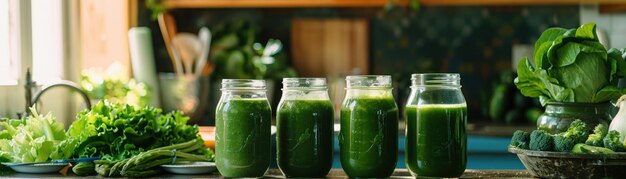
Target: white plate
[
  {"x": 38, "y": 168},
  {"x": 190, "y": 167}
]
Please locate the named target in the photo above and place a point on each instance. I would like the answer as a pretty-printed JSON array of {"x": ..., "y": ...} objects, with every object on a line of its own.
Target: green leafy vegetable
[
  {"x": 117, "y": 132},
  {"x": 36, "y": 138},
  {"x": 571, "y": 66}
]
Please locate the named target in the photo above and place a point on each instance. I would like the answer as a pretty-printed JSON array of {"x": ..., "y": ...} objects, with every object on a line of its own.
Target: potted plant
[{"x": 573, "y": 75}]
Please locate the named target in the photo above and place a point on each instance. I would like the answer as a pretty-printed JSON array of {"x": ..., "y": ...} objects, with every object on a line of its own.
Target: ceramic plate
[
  {"x": 190, "y": 167},
  {"x": 37, "y": 168}
]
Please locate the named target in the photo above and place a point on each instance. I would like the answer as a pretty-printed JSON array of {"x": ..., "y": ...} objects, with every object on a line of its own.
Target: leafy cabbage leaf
[{"x": 570, "y": 65}]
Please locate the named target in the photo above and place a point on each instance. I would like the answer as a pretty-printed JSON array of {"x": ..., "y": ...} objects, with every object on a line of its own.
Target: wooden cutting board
[{"x": 330, "y": 47}]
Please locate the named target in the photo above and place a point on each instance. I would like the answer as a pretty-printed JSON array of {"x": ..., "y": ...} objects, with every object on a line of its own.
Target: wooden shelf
[
  {"x": 173, "y": 4},
  {"x": 178, "y": 4}
]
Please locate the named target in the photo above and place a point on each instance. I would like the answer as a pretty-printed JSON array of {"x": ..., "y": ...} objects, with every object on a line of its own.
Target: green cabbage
[{"x": 571, "y": 66}]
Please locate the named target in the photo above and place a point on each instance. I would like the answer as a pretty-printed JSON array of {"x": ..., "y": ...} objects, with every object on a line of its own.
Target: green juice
[
  {"x": 242, "y": 141},
  {"x": 368, "y": 139},
  {"x": 305, "y": 138},
  {"x": 436, "y": 141}
]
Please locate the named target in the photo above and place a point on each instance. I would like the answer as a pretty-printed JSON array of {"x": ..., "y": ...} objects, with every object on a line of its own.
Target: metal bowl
[{"x": 572, "y": 165}]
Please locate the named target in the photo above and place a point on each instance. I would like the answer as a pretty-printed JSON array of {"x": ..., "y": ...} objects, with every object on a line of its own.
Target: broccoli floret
[
  {"x": 611, "y": 141},
  {"x": 541, "y": 140},
  {"x": 576, "y": 133},
  {"x": 599, "y": 132},
  {"x": 563, "y": 144},
  {"x": 520, "y": 139}
]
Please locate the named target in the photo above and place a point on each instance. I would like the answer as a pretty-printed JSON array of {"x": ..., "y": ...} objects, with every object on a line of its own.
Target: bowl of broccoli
[{"x": 574, "y": 153}]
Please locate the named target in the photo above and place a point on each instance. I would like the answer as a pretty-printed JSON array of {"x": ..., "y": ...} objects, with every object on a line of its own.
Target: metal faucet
[{"x": 30, "y": 84}]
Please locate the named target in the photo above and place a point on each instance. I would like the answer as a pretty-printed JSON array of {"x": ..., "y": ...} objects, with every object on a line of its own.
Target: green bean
[
  {"x": 151, "y": 164},
  {"x": 152, "y": 155},
  {"x": 191, "y": 156},
  {"x": 156, "y": 163},
  {"x": 128, "y": 163},
  {"x": 181, "y": 156},
  {"x": 171, "y": 155},
  {"x": 192, "y": 148},
  {"x": 135, "y": 160},
  {"x": 115, "y": 169},
  {"x": 140, "y": 165},
  {"x": 178, "y": 146}
]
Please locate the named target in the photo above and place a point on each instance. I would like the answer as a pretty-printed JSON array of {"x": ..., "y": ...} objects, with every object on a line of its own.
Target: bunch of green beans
[{"x": 144, "y": 164}]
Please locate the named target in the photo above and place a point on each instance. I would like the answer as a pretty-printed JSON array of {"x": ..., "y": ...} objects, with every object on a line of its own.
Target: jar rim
[
  {"x": 436, "y": 79},
  {"x": 243, "y": 84},
  {"x": 305, "y": 83},
  {"x": 369, "y": 81}
]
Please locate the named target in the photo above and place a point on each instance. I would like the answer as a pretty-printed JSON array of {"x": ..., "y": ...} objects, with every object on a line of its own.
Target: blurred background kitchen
[{"x": 172, "y": 54}]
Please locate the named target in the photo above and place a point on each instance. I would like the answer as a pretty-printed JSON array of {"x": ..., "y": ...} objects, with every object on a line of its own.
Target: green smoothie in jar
[
  {"x": 243, "y": 121},
  {"x": 304, "y": 124},
  {"x": 436, "y": 119},
  {"x": 368, "y": 138}
]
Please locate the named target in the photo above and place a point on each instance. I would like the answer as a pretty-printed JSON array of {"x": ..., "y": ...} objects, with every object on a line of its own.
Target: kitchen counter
[{"x": 334, "y": 173}]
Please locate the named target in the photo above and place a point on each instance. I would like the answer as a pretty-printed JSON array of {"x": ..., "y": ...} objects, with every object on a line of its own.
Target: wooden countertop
[{"x": 334, "y": 173}]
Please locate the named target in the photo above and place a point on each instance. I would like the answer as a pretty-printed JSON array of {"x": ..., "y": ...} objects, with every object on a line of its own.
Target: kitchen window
[{"x": 33, "y": 36}]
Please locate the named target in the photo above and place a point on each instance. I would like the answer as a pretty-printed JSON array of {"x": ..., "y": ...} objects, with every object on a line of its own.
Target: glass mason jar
[
  {"x": 243, "y": 120},
  {"x": 304, "y": 122},
  {"x": 436, "y": 119},
  {"x": 368, "y": 139}
]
